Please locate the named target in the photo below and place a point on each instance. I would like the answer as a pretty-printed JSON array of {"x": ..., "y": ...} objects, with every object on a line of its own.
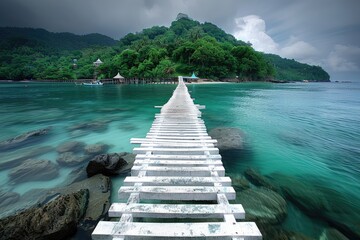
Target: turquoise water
[{"x": 304, "y": 130}]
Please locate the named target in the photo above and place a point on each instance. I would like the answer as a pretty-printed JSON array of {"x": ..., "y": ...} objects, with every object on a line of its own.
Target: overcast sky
[{"x": 320, "y": 32}]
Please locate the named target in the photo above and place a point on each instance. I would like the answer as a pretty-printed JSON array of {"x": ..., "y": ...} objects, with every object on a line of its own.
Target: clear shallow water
[{"x": 303, "y": 130}]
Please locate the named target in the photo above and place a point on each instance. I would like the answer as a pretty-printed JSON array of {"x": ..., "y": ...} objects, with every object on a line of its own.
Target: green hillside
[{"x": 186, "y": 46}]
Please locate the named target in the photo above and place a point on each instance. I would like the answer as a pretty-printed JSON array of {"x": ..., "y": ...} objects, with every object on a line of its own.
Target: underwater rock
[
  {"x": 76, "y": 175},
  {"x": 317, "y": 199},
  {"x": 7, "y": 198},
  {"x": 240, "y": 183},
  {"x": 332, "y": 234},
  {"x": 95, "y": 149},
  {"x": 34, "y": 170},
  {"x": 25, "y": 156},
  {"x": 99, "y": 126},
  {"x": 271, "y": 232},
  {"x": 57, "y": 219},
  {"x": 69, "y": 159},
  {"x": 228, "y": 138},
  {"x": 263, "y": 205},
  {"x": 258, "y": 180},
  {"x": 108, "y": 164},
  {"x": 23, "y": 139},
  {"x": 74, "y": 146}
]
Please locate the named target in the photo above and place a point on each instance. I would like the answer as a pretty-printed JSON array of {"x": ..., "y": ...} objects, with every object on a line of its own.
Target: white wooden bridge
[{"x": 177, "y": 188}]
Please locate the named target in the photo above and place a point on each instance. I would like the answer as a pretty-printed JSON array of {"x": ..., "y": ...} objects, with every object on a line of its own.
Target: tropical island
[{"x": 154, "y": 53}]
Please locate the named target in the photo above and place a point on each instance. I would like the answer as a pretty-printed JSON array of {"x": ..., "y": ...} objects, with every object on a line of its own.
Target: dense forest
[{"x": 159, "y": 52}]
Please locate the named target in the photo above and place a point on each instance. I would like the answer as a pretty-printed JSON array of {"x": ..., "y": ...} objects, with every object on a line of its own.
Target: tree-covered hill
[{"x": 186, "y": 46}]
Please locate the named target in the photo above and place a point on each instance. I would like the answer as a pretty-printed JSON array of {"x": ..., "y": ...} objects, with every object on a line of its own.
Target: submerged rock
[
  {"x": 228, "y": 138},
  {"x": 318, "y": 200},
  {"x": 74, "y": 146},
  {"x": 7, "y": 198},
  {"x": 240, "y": 183},
  {"x": 88, "y": 127},
  {"x": 263, "y": 205},
  {"x": 95, "y": 149},
  {"x": 16, "y": 161},
  {"x": 57, "y": 219},
  {"x": 271, "y": 232},
  {"x": 23, "y": 139},
  {"x": 332, "y": 234},
  {"x": 69, "y": 159},
  {"x": 258, "y": 180},
  {"x": 34, "y": 170},
  {"x": 109, "y": 164}
]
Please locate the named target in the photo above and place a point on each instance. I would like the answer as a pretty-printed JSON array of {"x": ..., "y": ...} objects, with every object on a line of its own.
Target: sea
[{"x": 302, "y": 130}]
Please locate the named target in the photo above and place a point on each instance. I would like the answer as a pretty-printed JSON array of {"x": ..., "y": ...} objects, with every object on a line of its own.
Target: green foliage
[
  {"x": 286, "y": 69},
  {"x": 159, "y": 52}
]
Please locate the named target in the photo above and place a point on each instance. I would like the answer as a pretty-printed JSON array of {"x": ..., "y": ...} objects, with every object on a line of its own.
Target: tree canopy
[{"x": 159, "y": 52}]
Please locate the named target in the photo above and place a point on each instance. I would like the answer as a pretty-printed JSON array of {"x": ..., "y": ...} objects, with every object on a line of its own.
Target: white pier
[{"x": 177, "y": 165}]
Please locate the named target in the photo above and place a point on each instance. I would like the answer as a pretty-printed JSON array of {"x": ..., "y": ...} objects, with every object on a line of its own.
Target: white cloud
[
  {"x": 300, "y": 50},
  {"x": 253, "y": 29},
  {"x": 344, "y": 58}
]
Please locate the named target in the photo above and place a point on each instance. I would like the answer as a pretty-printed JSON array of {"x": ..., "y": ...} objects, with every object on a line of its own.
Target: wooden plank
[
  {"x": 179, "y": 157},
  {"x": 152, "y": 140},
  {"x": 176, "y": 181},
  {"x": 178, "y": 171},
  {"x": 195, "y": 193},
  {"x": 211, "y": 230},
  {"x": 185, "y": 163},
  {"x": 178, "y": 151},
  {"x": 176, "y": 210},
  {"x": 178, "y": 145},
  {"x": 203, "y": 137}
]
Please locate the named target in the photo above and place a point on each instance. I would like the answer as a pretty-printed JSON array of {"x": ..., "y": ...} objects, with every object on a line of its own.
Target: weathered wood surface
[{"x": 177, "y": 161}]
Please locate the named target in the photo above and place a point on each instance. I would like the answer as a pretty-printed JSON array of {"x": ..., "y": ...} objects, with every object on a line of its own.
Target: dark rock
[
  {"x": 263, "y": 205},
  {"x": 34, "y": 170},
  {"x": 99, "y": 126},
  {"x": 332, "y": 234},
  {"x": 317, "y": 199},
  {"x": 16, "y": 161},
  {"x": 258, "y": 180},
  {"x": 271, "y": 232},
  {"x": 228, "y": 138},
  {"x": 70, "y": 159},
  {"x": 99, "y": 187},
  {"x": 74, "y": 146},
  {"x": 7, "y": 198},
  {"x": 57, "y": 219},
  {"x": 75, "y": 175},
  {"x": 23, "y": 139},
  {"x": 240, "y": 183},
  {"x": 107, "y": 164},
  {"x": 95, "y": 149}
]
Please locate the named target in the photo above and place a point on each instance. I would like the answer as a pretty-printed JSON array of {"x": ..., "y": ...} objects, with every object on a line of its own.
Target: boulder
[
  {"x": 69, "y": 159},
  {"x": 263, "y": 205},
  {"x": 74, "y": 146},
  {"x": 34, "y": 170},
  {"x": 228, "y": 138},
  {"x": 15, "y": 160},
  {"x": 23, "y": 139},
  {"x": 108, "y": 164},
  {"x": 57, "y": 219},
  {"x": 332, "y": 234},
  {"x": 317, "y": 199},
  {"x": 240, "y": 183},
  {"x": 258, "y": 180},
  {"x": 7, "y": 198},
  {"x": 88, "y": 127},
  {"x": 95, "y": 149}
]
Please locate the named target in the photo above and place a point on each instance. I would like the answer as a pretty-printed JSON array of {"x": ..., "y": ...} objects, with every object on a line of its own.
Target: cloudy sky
[{"x": 320, "y": 32}]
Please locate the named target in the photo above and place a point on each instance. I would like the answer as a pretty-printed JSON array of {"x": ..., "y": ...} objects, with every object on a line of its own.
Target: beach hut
[
  {"x": 119, "y": 79},
  {"x": 98, "y": 62},
  {"x": 192, "y": 78}
]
